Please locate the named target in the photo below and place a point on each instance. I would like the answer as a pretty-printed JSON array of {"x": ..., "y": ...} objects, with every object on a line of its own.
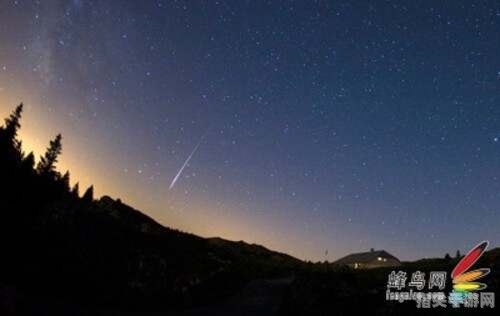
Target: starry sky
[{"x": 319, "y": 126}]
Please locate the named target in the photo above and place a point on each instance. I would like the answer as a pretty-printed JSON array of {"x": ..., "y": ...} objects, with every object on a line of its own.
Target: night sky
[{"x": 313, "y": 126}]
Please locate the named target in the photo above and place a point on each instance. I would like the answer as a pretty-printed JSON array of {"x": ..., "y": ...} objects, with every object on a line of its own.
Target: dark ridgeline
[{"x": 62, "y": 253}]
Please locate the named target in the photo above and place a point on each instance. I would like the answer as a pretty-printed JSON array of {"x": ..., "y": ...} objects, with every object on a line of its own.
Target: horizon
[
  {"x": 251, "y": 243},
  {"x": 325, "y": 130}
]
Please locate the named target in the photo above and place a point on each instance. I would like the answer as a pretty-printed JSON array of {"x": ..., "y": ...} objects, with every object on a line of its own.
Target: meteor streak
[{"x": 183, "y": 166}]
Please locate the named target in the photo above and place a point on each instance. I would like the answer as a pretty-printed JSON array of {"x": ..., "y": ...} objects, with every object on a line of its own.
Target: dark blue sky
[{"x": 324, "y": 125}]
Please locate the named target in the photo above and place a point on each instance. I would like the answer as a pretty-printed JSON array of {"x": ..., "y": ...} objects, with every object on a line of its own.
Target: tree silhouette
[
  {"x": 65, "y": 181},
  {"x": 12, "y": 125},
  {"x": 76, "y": 190},
  {"x": 458, "y": 255},
  {"x": 28, "y": 163},
  {"x": 46, "y": 166},
  {"x": 18, "y": 149},
  {"x": 74, "y": 244},
  {"x": 9, "y": 144},
  {"x": 88, "y": 196}
]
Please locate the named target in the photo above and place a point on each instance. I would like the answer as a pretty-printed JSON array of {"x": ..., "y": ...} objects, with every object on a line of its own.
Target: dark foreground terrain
[{"x": 63, "y": 253}]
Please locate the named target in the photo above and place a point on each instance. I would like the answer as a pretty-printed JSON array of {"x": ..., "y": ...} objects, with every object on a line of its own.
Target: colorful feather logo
[{"x": 463, "y": 281}]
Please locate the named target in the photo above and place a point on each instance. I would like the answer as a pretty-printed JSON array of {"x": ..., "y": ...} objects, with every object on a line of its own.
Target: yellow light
[{"x": 468, "y": 286}]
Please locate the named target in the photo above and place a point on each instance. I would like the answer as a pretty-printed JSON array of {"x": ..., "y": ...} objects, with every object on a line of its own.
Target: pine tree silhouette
[
  {"x": 18, "y": 149},
  {"x": 28, "y": 163},
  {"x": 46, "y": 166},
  {"x": 12, "y": 125},
  {"x": 76, "y": 190},
  {"x": 9, "y": 144},
  {"x": 65, "y": 181},
  {"x": 88, "y": 196}
]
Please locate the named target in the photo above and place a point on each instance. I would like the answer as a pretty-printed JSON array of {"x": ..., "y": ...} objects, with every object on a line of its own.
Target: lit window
[{"x": 379, "y": 258}]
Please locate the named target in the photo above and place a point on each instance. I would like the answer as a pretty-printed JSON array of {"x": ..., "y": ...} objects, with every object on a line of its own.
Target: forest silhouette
[
  {"x": 69, "y": 254},
  {"x": 60, "y": 246}
]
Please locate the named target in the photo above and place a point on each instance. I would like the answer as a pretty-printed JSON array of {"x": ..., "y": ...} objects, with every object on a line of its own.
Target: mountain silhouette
[
  {"x": 60, "y": 248},
  {"x": 66, "y": 254}
]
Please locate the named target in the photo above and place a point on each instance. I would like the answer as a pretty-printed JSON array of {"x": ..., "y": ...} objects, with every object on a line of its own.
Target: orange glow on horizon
[{"x": 208, "y": 222}]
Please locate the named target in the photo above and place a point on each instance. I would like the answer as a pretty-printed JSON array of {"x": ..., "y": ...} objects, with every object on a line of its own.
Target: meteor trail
[{"x": 183, "y": 166}]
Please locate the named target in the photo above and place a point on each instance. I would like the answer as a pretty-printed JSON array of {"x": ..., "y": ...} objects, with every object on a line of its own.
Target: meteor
[{"x": 183, "y": 166}]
